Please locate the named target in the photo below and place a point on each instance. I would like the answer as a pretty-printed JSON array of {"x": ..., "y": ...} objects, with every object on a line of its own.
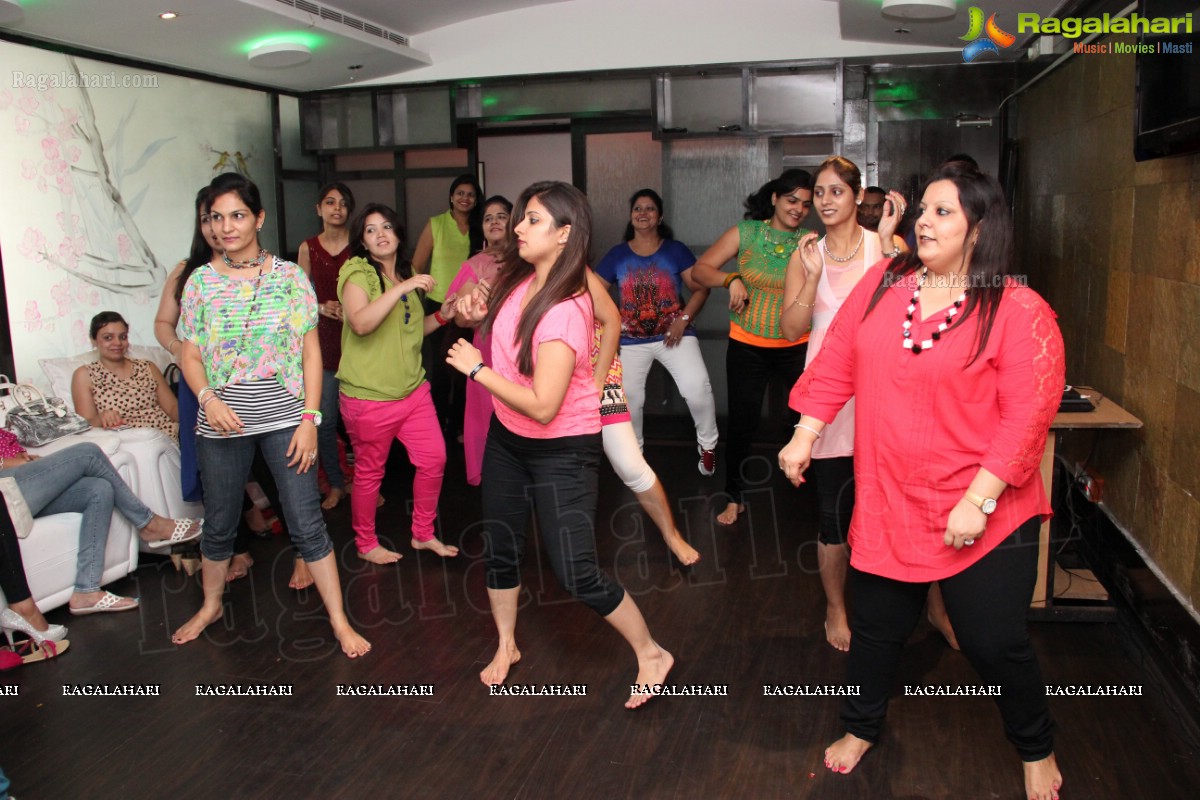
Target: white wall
[
  {"x": 626, "y": 34},
  {"x": 100, "y": 188}
]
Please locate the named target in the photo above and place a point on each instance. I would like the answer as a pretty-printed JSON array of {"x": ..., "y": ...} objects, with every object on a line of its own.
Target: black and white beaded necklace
[{"x": 912, "y": 344}]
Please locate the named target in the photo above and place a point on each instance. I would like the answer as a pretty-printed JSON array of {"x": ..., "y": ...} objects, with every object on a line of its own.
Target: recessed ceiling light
[
  {"x": 280, "y": 55},
  {"x": 168, "y": 15},
  {"x": 902, "y": 30}
]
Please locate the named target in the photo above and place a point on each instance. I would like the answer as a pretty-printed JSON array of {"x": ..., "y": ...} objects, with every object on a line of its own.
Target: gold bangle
[{"x": 797, "y": 302}]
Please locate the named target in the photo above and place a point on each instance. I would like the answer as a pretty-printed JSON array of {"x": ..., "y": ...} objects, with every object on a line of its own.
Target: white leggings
[
  {"x": 621, "y": 447},
  {"x": 686, "y": 366}
]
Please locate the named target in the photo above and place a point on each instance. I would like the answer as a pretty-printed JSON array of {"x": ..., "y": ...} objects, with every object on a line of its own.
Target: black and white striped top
[{"x": 262, "y": 406}]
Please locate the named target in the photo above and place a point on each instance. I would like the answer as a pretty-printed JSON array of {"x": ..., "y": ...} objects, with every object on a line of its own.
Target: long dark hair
[
  {"x": 759, "y": 205},
  {"x": 478, "y": 241},
  {"x": 358, "y": 249},
  {"x": 566, "y": 205},
  {"x": 664, "y": 230},
  {"x": 991, "y": 257},
  {"x": 201, "y": 252}
]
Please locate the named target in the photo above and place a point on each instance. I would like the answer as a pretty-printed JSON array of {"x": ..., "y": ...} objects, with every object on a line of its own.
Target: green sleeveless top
[{"x": 450, "y": 249}]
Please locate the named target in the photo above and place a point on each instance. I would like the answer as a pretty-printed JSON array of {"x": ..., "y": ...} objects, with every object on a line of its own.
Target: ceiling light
[
  {"x": 280, "y": 55},
  {"x": 168, "y": 15},
  {"x": 919, "y": 9},
  {"x": 10, "y": 12}
]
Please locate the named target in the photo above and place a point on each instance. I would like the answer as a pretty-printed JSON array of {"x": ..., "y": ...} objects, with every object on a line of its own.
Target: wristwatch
[
  {"x": 986, "y": 504},
  {"x": 686, "y": 317},
  {"x": 312, "y": 416}
]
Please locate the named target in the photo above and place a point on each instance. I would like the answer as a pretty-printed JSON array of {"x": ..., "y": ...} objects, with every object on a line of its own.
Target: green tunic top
[{"x": 386, "y": 363}]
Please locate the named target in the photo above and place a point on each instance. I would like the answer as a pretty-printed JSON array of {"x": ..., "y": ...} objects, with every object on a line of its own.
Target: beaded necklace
[
  {"x": 257, "y": 261},
  {"x": 862, "y": 236},
  {"x": 911, "y": 344},
  {"x": 783, "y": 243}
]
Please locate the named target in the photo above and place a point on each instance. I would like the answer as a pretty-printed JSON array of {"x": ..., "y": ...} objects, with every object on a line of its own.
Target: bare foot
[
  {"x": 333, "y": 498},
  {"x": 495, "y": 673},
  {"x": 942, "y": 623},
  {"x": 837, "y": 629},
  {"x": 353, "y": 645},
  {"x": 301, "y": 577},
  {"x": 730, "y": 514},
  {"x": 1042, "y": 779},
  {"x": 239, "y": 566},
  {"x": 380, "y": 555},
  {"x": 196, "y": 625},
  {"x": 844, "y": 754},
  {"x": 686, "y": 554},
  {"x": 434, "y": 544},
  {"x": 652, "y": 672}
]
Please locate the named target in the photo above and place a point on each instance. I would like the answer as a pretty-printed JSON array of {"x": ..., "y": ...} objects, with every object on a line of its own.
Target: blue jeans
[
  {"x": 327, "y": 443},
  {"x": 81, "y": 479},
  {"x": 225, "y": 468}
]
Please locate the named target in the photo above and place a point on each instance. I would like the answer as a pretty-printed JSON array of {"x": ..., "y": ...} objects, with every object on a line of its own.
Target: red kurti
[
  {"x": 323, "y": 267},
  {"x": 925, "y": 423}
]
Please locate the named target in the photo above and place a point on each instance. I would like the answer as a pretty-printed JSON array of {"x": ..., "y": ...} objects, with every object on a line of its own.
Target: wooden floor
[{"x": 750, "y": 615}]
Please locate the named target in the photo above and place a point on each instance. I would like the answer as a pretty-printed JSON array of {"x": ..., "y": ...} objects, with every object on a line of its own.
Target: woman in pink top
[
  {"x": 544, "y": 442},
  {"x": 956, "y": 371},
  {"x": 480, "y": 270},
  {"x": 819, "y": 278}
]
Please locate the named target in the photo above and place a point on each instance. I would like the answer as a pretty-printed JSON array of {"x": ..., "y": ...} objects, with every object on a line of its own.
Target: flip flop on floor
[
  {"x": 106, "y": 604},
  {"x": 28, "y": 651},
  {"x": 185, "y": 530}
]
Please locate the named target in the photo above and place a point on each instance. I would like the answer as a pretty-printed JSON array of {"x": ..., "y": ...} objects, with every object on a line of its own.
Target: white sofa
[
  {"x": 155, "y": 455},
  {"x": 51, "y": 549}
]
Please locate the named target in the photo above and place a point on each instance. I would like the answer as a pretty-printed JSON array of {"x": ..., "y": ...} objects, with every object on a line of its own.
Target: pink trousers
[{"x": 372, "y": 425}]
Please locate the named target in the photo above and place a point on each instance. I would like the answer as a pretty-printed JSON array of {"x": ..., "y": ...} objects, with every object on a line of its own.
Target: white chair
[{"x": 52, "y": 547}]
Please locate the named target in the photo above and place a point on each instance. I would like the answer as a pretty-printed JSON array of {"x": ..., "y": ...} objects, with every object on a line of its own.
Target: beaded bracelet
[
  {"x": 201, "y": 394},
  {"x": 731, "y": 277},
  {"x": 797, "y": 302},
  {"x": 813, "y": 431}
]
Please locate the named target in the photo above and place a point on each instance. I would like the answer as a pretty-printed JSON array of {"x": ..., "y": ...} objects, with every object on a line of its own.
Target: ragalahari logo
[{"x": 993, "y": 37}]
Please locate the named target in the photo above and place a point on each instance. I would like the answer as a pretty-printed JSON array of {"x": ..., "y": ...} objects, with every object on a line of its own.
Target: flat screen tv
[{"x": 1168, "y": 84}]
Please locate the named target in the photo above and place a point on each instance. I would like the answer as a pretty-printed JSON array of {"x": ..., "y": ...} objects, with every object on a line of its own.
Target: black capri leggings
[
  {"x": 834, "y": 478},
  {"x": 560, "y": 477}
]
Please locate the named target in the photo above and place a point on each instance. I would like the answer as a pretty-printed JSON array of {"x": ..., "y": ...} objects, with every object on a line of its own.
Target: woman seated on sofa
[
  {"x": 116, "y": 391},
  {"x": 81, "y": 479}
]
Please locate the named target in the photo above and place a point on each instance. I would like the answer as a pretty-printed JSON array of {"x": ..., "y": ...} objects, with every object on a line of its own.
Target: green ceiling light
[{"x": 281, "y": 50}]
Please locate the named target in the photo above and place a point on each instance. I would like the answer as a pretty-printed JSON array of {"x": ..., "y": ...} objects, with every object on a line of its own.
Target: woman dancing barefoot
[
  {"x": 251, "y": 354},
  {"x": 975, "y": 382},
  {"x": 544, "y": 442}
]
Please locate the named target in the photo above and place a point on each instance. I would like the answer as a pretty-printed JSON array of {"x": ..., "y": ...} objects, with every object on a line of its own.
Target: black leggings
[
  {"x": 749, "y": 369},
  {"x": 12, "y": 569},
  {"x": 834, "y": 478},
  {"x": 987, "y": 603},
  {"x": 559, "y": 477}
]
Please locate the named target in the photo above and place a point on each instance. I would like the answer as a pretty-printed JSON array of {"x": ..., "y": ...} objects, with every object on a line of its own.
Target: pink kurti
[
  {"x": 926, "y": 422},
  {"x": 478, "y": 268}
]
